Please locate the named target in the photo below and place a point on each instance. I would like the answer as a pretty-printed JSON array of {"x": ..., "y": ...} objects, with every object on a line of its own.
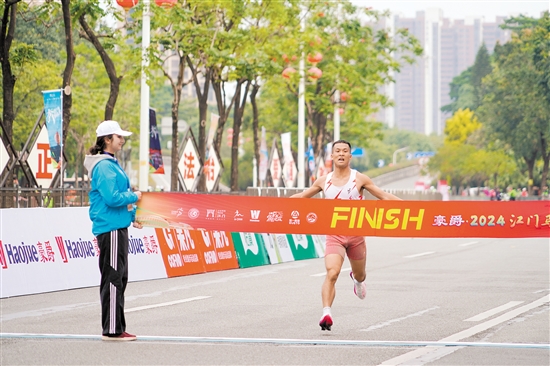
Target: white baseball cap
[{"x": 110, "y": 128}]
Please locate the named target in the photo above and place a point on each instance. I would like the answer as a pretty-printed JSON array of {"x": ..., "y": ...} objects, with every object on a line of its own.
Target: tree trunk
[
  {"x": 69, "y": 66},
  {"x": 109, "y": 67},
  {"x": 530, "y": 161},
  {"x": 176, "y": 89},
  {"x": 202, "y": 97},
  {"x": 255, "y": 125},
  {"x": 8, "y": 79},
  {"x": 238, "y": 111},
  {"x": 546, "y": 160}
]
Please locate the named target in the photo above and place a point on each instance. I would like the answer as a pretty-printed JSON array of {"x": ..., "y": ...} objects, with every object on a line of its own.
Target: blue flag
[{"x": 53, "y": 110}]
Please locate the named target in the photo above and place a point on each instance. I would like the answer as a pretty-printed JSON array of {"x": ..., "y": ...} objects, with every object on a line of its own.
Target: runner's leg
[
  {"x": 333, "y": 265},
  {"x": 357, "y": 256}
]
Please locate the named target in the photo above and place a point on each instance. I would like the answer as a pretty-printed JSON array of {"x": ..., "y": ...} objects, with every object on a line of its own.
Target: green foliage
[
  {"x": 481, "y": 68},
  {"x": 461, "y": 92}
]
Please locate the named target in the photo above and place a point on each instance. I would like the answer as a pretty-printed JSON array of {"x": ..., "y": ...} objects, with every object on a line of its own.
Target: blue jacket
[{"x": 110, "y": 194}]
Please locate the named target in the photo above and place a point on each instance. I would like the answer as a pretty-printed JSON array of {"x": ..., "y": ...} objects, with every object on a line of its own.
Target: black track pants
[{"x": 113, "y": 265}]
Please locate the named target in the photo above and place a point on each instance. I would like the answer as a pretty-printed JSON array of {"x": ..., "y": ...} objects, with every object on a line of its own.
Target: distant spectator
[
  {"x": 512, "y": 193},
  {"x": 524, "y": 192},
  {"x": 545, "y": 194}
]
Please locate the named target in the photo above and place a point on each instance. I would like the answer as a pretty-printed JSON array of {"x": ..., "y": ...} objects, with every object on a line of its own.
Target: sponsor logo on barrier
[
  {"x": 193, "y": 213},
  {"x": 2, "y": 257},
  {"x": 255, "y": 215},
  {"x": 238, "y": 216},
  {"x": 275, "y": 216},
  {"x": 212, "y": 214},
  {"x": 380, "y": 218},
  {"x": 294, "y": 218},
  {"x": 80, "y": 249},
  {"x": 45, "y": 252},
  {"x": 178, "y": 212},
  {"x": 300, "y": 241},
  {"x": 249, "y": 244},
  {"x": 21, "y": 254},
  {"x": 61, "y": 247},
  {"x": 151, "y": 245},
  {"x": 311, "y": 217},
  {"x": 136, "y": 246}
]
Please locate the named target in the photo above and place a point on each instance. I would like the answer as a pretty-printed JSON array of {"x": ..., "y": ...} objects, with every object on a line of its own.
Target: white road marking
[
  {"x": 539, "y": 291},
  {"x": 283, "y": 341},
  {"x": 469, "y": 243},
  {"x": 418, "y": 255},
  {"x": 494, "y": 311},
  {"x": 165, "y": 304},
  {"x": 419, "y": 353},
  {"x": 386, "y": 323},
  {"x": 324, "y": 273}
]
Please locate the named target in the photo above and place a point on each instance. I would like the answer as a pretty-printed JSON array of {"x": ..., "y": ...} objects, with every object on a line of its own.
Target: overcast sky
[{"x": 454, "y": 9}]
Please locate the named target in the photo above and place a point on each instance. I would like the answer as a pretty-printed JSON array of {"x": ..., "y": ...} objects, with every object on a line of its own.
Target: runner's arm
[{"x": 315, "y": 188}]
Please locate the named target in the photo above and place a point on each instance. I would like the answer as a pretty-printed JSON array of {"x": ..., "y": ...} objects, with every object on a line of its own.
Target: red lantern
[
  {"x": 341, "y": 111},
  {"x": 167, "y": 4},
  {"x": 287, "y": 73},
  {"x": 315, "y": 73},
  {"x": 315, "y": 59},
  {"x": 344, "y": 96},
  {"x": 285, "y": 58},
  {"x": 127, "y": 4}
]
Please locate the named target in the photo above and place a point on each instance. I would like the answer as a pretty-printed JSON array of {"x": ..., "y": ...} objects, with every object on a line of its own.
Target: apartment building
[{"x": 450, "y": 47}]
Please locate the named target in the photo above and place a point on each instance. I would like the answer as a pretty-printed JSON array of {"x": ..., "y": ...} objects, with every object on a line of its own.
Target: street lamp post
[
  {"x": 144, "y": 105},
  {"x": 396, "y": 151},
  {"x": 301, "y": 124},
  {"x": 336, "y": 115}
]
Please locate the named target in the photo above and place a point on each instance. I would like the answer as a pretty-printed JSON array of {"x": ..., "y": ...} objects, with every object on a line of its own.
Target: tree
[
  {"x": 514, "y": 101},
  {"x": 20, "y": 55},
  {"x": 481, "y": 68},
  {"x": 357, "y": 59},
  {"x": 461, "y": 126},
  {"x": 462, "y": 93}
]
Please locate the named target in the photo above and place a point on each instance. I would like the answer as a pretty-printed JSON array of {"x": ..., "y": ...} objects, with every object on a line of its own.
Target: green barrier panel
[
  {"x": 302, "y": 246},
  {"x": 250, "y": 251}
]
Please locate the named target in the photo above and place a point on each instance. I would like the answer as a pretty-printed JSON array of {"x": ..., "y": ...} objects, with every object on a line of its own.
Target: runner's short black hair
[{"x": 341, "y": 142}]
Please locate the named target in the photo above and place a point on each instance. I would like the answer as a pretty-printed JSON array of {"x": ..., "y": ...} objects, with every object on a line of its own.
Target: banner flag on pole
[
  {"x": 156, "y": 165},
  {"x": 53, "y": 110},
  {"x": 311, "y": 161},
  {"x": 264, "y": 158}
]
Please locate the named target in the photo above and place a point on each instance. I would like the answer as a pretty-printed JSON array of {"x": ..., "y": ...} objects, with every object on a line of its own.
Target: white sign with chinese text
[
  {"x": 189, "y": 165},
  {"x": 4, "y": 156},
  {"x": 212, "y": 169},
  {"x": 40, "y": 160}
]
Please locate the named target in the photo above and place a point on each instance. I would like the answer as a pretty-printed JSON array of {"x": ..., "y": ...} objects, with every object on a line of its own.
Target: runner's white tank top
[{"x": 347, "y": 192}]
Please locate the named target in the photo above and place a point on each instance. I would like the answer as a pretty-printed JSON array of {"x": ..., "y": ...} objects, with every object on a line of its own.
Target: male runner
[{"x": 346, "y": 184}]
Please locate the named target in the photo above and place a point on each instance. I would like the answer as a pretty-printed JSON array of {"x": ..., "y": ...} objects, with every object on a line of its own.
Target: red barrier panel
[{"x": 493, "y": 219}]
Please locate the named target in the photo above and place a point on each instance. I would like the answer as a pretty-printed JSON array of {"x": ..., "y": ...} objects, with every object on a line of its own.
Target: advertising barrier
[
  {"x": 251, "y": 249},
  {"x": 53, "y": 249},
  {"x": 441, "y": 219}
]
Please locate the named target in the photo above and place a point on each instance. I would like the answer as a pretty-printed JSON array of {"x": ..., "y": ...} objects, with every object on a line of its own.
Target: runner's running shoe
[
  {"x": 124, "y": 337},
  {"x": 326, "y": 322},
  {"x": 359, "y": 288}
]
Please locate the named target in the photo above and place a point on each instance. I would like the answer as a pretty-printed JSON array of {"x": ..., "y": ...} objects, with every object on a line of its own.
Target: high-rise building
[{"x": 450, "y": 47}]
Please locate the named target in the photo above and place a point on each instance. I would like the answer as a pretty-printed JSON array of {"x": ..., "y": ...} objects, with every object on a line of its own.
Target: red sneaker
[
  {"x": 124, "y": 337},
  {"x": 326, "y": 322}
]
